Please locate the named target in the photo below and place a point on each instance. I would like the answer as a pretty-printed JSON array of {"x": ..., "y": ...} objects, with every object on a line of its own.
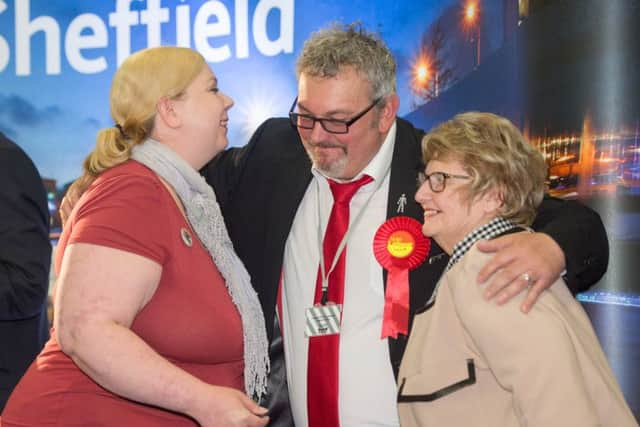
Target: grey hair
[{"x": 328, "y": 51}]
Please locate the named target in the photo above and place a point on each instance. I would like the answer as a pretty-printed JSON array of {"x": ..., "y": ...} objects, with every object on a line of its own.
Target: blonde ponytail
[{"x": 136, "y": 88}]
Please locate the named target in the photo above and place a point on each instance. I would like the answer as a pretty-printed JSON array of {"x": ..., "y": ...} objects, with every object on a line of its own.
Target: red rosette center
[{"x": 400, "y": 244}]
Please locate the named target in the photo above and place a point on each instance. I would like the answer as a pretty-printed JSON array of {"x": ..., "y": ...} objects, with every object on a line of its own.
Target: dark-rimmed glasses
[
  {"x": 305, "y": 121},
  {"x": 438, "y": 180}
]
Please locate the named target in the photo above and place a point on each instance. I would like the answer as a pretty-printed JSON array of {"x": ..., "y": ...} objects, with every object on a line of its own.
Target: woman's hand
[{"x": 227, "y": 407}]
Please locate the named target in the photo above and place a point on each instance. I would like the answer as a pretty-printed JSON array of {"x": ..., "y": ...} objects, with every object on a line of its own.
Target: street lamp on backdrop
[
  {"x": 424, "y": 81},
  {"x": 471, "y": 20}
]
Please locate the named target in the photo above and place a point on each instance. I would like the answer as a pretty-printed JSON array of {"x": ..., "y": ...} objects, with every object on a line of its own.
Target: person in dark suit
[
  {"x": 25, "y": 256},
  {"x": 275, "y": 197}
]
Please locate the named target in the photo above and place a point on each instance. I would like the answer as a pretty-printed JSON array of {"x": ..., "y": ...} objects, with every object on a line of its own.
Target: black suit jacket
[
  {"x": 260, "y": 186},
  {"x": 25, "y": 254}
]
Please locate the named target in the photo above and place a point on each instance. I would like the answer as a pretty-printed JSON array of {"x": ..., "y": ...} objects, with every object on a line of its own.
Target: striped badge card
[{"x": 323, "y": 320}]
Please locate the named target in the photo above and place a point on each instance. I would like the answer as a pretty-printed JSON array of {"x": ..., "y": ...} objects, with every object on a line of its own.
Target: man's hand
[
  {"x": 71, "y": 198},
  {"x": 522, "y": 261}
]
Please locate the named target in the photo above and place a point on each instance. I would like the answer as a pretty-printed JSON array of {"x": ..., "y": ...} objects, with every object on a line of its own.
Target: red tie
[{"x": 322, "y": 365}]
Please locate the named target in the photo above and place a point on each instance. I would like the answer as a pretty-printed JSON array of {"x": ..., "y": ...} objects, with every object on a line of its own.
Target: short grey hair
[{"x": 329, "y": 51}]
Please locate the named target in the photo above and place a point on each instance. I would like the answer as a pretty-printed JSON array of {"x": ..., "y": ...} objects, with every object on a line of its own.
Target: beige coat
[{"x": 470, "y": 363}]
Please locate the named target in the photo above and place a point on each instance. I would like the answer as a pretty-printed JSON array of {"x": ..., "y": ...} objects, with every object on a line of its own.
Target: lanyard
[{"x": 343, "y": 242}]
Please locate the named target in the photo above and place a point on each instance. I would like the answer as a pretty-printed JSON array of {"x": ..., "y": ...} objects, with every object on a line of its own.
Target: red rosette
[
  {"x": 399, "y": 246},
  {"x": 399, "y": 243}
]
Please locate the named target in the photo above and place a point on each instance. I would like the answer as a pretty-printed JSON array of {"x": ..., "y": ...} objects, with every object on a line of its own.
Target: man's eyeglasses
[
  {"x": 438, "y": 180},
  {"x": 305, "y": 121}
]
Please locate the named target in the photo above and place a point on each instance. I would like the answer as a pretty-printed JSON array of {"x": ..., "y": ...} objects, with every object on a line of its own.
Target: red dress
[{"x": 190, "y": 320}]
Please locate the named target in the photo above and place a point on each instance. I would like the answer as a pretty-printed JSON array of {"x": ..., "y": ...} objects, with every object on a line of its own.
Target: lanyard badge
[{"x": 323, "y": 320}]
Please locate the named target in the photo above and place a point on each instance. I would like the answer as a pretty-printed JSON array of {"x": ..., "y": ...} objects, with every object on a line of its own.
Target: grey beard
[{"x": 333, "y": 170}]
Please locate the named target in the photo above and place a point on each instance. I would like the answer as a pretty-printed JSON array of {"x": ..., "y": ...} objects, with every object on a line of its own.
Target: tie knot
[{"x": 344, "y": 191}]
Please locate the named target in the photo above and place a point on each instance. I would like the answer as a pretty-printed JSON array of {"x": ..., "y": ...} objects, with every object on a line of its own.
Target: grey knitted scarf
[{"x": 204, "y": 214}]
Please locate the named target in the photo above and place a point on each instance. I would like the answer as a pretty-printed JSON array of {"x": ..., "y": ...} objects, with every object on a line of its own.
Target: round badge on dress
[{"x": 186, "y": 237}]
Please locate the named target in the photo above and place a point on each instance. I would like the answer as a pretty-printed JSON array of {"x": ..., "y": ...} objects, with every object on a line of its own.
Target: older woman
[
  {"x": 469, "y": 363},
  {"x": 156, "y": 322}
]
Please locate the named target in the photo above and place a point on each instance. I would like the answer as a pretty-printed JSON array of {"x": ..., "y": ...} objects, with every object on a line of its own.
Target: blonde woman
[
  {"x": 156, "y": 322},
  {"x": 469, "y": 363}
]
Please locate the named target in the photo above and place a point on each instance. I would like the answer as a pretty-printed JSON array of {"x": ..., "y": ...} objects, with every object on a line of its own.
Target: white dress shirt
[{"x": 367, "y": 388}]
